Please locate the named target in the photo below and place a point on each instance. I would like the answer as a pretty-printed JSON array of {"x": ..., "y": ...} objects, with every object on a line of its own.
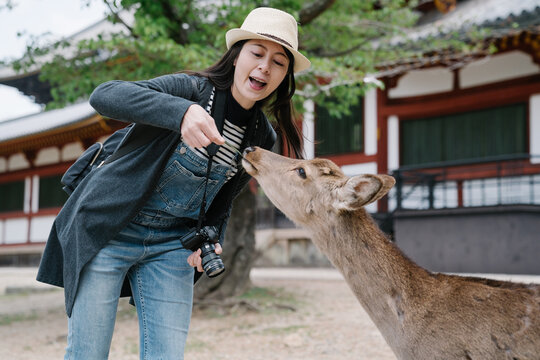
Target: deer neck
[{"x": 382, "y": 278}]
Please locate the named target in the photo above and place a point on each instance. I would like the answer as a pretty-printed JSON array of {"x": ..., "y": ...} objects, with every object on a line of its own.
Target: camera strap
[
  {"x": 218, "y": 113},
  {"x": 202, "y": 212}
]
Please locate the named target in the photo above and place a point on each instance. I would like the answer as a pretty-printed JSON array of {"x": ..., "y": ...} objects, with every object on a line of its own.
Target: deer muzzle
[{"x": 246, "y": 163}]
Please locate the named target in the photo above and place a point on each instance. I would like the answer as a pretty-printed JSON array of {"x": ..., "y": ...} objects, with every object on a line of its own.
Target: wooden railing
[{"x": 494, "y": 181}]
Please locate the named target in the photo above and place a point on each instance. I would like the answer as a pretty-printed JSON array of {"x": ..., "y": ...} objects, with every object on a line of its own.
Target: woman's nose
[{"x": 264, "y": 66}]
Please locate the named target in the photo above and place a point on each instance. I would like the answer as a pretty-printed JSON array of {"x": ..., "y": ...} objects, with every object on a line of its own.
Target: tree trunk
[{"x": 238, "y": 252}]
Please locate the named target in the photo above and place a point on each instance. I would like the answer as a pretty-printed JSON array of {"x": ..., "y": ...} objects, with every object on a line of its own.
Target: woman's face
[{"x": 259, "y": 69}]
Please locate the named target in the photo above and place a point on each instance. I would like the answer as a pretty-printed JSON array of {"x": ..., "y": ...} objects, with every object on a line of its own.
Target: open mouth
[{"x": 256, "y": 83}]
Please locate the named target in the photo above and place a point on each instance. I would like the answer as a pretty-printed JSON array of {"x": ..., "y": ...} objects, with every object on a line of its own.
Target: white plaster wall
[
  {"x": 17, "y": 162},
  {"x": 16, "y": 231},
  {"x": 27, "y": 187},
  {"x": 308, "y": 129},
  {"x": 40, "y": 228},
  {"x": 35, "y": 194},
  {"x": 357, "y": 169},
  {"x": 50, "y": 155},
  {"x": 3, "y": 164},
  {"x": 497, "y": 68},
  {"x": 370, "y": 122},
  {"x": 534, "y": 128},
  {"x": 518, "y": 189},
  {"x": 2, "y": 240},
  {"x": 445, "y": 196},
  {"x": 71, "y": 151},
  {"x": 393, "y": 142},
  {"x": 423, "y": 82}
]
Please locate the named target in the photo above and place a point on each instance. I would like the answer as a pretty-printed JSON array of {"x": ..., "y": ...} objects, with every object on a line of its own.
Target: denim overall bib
[{"x": 178, "y": 195}]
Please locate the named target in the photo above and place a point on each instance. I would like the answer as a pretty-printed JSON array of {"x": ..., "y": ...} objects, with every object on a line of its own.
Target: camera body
[{"x": 205, "y": 239}]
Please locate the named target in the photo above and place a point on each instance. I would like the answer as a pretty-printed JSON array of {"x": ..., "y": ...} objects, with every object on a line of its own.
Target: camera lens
[{"x": 211, "y": 262}]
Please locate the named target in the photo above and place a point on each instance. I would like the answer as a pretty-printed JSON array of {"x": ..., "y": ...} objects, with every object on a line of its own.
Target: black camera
[{"x": 205, "y": 240}]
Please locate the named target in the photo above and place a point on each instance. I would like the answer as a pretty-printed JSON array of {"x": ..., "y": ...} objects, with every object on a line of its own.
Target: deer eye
[{"x": 302, "y": 173}]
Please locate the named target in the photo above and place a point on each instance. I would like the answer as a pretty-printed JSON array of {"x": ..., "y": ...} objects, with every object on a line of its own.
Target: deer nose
[{"x": 248, "y": 150}]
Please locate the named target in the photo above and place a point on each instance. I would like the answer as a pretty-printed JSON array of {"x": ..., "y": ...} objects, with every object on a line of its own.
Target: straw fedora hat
[{"x": 274, "y": 25}]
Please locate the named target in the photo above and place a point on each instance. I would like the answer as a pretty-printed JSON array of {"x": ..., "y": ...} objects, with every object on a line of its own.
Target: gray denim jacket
[{"x": 110, "y": 196}]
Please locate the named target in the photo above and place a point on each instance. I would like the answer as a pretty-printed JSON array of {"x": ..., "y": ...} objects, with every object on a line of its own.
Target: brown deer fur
[{"x": 421, "y": 315}]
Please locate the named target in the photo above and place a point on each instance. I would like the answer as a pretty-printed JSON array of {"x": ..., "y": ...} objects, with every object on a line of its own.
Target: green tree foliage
[{"x": 345, "y": 40}]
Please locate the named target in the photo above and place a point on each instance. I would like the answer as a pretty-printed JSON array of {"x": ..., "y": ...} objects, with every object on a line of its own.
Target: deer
[{"x": 422, "y": 315}]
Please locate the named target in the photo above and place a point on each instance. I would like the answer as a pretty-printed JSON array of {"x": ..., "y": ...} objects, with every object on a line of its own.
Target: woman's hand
[
  {"x": 195, "y": 260},
  {"x": 199, "y": 129}
]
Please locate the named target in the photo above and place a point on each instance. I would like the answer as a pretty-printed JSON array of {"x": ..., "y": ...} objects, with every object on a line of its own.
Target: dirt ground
[{"x": 312, "y": 317}]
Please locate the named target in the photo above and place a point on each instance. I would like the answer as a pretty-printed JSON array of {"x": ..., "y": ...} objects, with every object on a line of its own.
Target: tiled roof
[
  {"x": 44, "y": 121},
  {"x": 504, "y": 18},
  {"x": 500, "y": 14}
]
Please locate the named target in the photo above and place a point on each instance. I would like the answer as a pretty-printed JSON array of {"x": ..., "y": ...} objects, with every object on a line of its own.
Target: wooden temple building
[
  {"x": 461, "y": 134},
  {"x": 35, "y": 151}
]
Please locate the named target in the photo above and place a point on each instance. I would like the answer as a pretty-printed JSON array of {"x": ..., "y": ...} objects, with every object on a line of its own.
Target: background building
[{"x": 461, "y": 134}]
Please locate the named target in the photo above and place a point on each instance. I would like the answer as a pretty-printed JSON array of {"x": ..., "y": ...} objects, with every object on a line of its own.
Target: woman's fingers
[
  {"x": 199, "y": 129},
  {"x": 190, "y": 259},
  {"x": 196, "y": 138},
  {"x": 198, "y": 263},
  {"x": 195, "y": 260}
]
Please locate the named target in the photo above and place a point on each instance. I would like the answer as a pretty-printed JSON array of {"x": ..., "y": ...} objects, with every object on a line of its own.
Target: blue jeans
[
  {"x": 162, "y": 284},
  {"x": 149, "y": 252}
]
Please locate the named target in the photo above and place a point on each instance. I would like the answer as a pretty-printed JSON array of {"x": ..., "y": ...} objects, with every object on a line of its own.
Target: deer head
[{"x": 305, "y": 190}]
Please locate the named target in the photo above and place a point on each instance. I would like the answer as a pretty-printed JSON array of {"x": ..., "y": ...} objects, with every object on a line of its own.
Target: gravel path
[{"x": 292, "y": 314}]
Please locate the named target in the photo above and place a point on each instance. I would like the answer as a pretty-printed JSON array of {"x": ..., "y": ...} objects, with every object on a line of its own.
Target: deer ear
[{"x": 361, "y": 190}]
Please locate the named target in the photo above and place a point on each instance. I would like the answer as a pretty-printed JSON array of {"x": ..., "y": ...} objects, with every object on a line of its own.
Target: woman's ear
[{"x": 237, "y": 55}]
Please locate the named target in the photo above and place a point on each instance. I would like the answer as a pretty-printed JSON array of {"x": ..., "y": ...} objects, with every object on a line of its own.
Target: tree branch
[
  {"x": 120, "y": 20},
  {"x": 310, "y": 92},
  {"x": 7, "y": 4},
  {"x": 384, "y": 30},
  {"x": 311, "y": 11},
  {"x": 178, "y": 33},
  {"x": 385, "y": 27},
  {"x": 325, "y": 54}
]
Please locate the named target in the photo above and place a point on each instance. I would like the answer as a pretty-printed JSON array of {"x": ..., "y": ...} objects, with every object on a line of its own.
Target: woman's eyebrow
[{"x": 265, "y": 48}]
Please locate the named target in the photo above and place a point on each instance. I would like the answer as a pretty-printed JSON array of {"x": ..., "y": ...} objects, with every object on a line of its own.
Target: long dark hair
[{"x": 221, "y": 74}]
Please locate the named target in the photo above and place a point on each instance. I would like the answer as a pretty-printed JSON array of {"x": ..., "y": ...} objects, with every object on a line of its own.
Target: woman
[{"x": 119, "y": 232}]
